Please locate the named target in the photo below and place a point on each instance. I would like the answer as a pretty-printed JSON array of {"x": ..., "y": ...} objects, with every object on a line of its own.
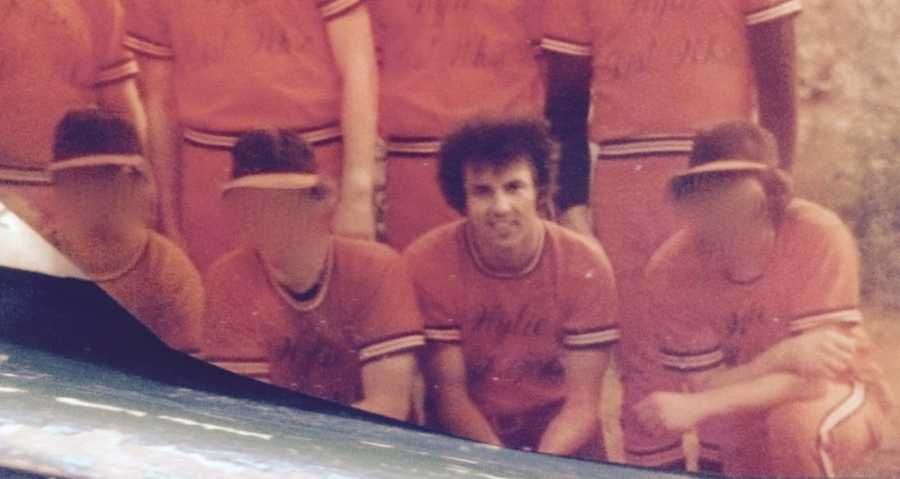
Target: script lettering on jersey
[
  {"x": 453, "y": 33},
  {"x": 510, "y": 327},
  {"x": 252, "y": 27},
  {"x": 48, "y": 25},
  {"x": 667, "y": 46}
]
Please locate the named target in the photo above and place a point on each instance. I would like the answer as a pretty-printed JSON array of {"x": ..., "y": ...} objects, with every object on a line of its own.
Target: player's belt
[
  {"x": 225, "y": 140},
  {"x": 25, "y": 176},
  {"x": 415, "y": 147},
  {"x": 648, "y": 145}
]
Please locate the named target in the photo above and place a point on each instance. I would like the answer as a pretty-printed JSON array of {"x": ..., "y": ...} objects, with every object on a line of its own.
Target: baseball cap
[
  {"x": 726, "y": 150},
  {"x": 274, "y": 160},
  {"x": 92, "y": 138}
]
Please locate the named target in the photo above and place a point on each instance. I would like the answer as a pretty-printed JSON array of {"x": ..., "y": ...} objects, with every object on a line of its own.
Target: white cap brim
[{"x": 95, "y": 161}]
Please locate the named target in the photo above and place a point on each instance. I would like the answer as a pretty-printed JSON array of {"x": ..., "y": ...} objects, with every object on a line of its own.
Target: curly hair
[{"x": 494, "y": 144}]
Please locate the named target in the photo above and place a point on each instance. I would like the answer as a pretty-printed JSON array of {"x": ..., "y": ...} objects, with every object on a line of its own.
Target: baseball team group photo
[{"x": 661, "y": 233}]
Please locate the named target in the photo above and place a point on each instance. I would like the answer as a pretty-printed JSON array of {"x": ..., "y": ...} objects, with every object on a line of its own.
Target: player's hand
[
  {"x": 823, "y": 352},
  {"x": 578, "y": 220},
  {"x": 669, "y": 412},
  {"x": 355, "y": 218},
  {"x": 170, "y": 229}
]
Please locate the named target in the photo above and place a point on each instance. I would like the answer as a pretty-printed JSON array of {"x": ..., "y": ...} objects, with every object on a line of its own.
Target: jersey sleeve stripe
[
  {"x": 335, "y": 8},
  {"x": 117, "y": 72},
  {"x": 443, "y": 335},
  {"x": 391, "y": 346},
  {"x": 592, "y": 338},
  {"x": 148, "y": 48},
  {"x": 257, "y": 369},
  {"x": 844, "y": 316},
  {"x": 843, "y": 411},
  {"x": 696, "y": 362},
  {"x": 711, "y": 452},
  {"x": 656, "y": 457},
  {"x": 773, "y": 13},
  {"x": 642, "y": 146},
  {"x": 566, "y": 47}
]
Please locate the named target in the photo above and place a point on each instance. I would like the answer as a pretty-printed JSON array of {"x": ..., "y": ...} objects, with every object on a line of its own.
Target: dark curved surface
[{"x": 87, "y": 391}]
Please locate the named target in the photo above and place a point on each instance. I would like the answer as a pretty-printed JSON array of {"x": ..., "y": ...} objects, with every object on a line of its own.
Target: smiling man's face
[{"x": 501, "y": 205}]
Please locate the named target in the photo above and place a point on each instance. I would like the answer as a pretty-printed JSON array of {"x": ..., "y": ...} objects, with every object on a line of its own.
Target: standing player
[
  {"x": 443, "y": 62},
  {"x": 100, "y": 182},
  {"x": 519, "y": 312},
  {"x": 654, "y": 72},
  {"x": 57, "y": 56},
  {"x": 211, "y": 70},
  {"x": 757, "y": 303},
  {"x": 303, "y": 309}
]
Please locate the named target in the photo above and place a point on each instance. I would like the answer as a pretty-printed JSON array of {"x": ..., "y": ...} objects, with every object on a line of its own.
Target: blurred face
[
  {"x": 501, "y": 205},
  {"x": 94, "y": 197},
  {"x": 727, "y": 210},
  {"x": 275, "y": 221}
]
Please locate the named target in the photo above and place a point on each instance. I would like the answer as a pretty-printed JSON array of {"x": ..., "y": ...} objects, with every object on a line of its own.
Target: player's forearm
[
  {"x": 573, "y": 427},
  {"x": 567, "y": 106},
  {"x": 460, "y": 416},
  {"x": 122, "y": 99},
  {"x": 757, "y": 394},
  {"x": 773, "y": 53},
  {"x": 358, "y": 119},
  {"x": 387, "y": 386},
  {"x": 773, "y": 360}
]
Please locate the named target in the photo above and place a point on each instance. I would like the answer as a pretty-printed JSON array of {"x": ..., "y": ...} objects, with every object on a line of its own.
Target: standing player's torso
[
  {"x": 241, "y": 64},
  {"x": 47, "y": 67},
  {"x": 668, "y": 66},
  {"x": 443, "y": 61}
]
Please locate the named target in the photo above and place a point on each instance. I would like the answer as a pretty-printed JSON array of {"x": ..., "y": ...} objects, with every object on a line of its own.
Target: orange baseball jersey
[
  {"x": 513, "y": 329},
  {"x": 706, "y": 320},
  {"x": 163, "y": 290},
  {"x": 364, "y": 311},
  {"x": 244, "y": 65},
  {"x": 54, "y": 55},
  {"x": 444, "y": 61},
  {"x": 662, "y": 66}
]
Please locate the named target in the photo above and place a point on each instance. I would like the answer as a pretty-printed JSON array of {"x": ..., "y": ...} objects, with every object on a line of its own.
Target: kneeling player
[
  {"x": 519, "y": 312},
  {"x": 100, "y": 187},
  {"x": 327, "y": 316},
  {"x": 758, "y": 300}
]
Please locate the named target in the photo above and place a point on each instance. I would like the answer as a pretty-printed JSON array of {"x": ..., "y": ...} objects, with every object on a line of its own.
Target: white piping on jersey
[
  {"x": 445, "y": 335},
  {"x": 692, "y": 361},
  {"x": 657, "y": 144},
  {"x": 148, "y": 48},
  {"x": 119, "y": 71},
  {"x": 606, "y": 336},
  {"x": 846, "y": 316},
  {"x": 228, "y": 140},
  {"x": 843, "y": 411},
  {"x": 565, "y": 47},
  {"x": 313, "y": 303},
  {"x": 26, "y": 176},
  {"x": 656, "y": 458},
  {"x": 389, "y": 346},
  {"x": 787, "y": 8},
  {"x": 528, "y": 268},
  {"x": 424, "y": 147}
]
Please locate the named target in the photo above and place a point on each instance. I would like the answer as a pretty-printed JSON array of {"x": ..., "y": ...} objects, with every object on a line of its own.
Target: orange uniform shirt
[
  {"x": 514, "y": 329},
  {"x": 53, "y": 56},
  {"x": 163, "y": 290},
  {"x": 707, "y": 320},
  {"x": 244, "y": 65},
  {"x": 444, "y": 61},
  {"x": 363, "y": 312},
  {"x": 662, "y": 66}
]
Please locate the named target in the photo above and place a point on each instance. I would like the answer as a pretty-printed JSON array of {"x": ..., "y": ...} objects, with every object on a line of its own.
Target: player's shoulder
[
  {"x": 439, "y": 244},
  {"x": 674, "y": 256},
  {"x": 362, "y": 257},
  {"x": 235, "y": 266},
  {"x": 810, "y": 224},
  {"x": 574, "y": 245}
]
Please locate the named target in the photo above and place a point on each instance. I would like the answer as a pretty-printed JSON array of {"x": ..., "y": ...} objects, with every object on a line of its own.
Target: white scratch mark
[
  {"x": 213, "y": 427},
  {"x": 102, "y": 407},
  {"x": 377, "y": 444},
  {"x": 4, "y": 389}
]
